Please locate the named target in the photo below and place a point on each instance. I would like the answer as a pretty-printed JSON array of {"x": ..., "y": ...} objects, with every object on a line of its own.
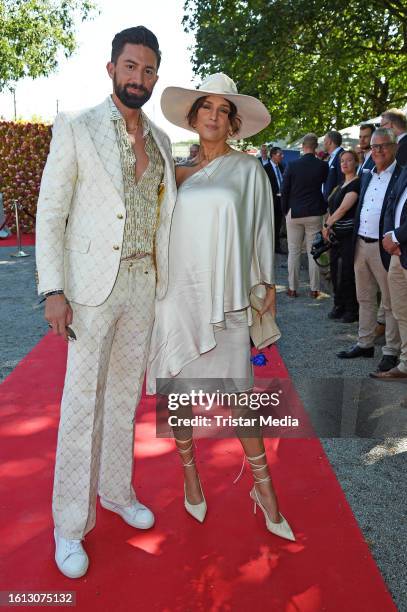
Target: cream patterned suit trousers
[{"x": 105, "y": 371}]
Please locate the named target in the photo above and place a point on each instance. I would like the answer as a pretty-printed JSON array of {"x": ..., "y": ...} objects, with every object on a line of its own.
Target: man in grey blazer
[{"x": 104, "y": 212}]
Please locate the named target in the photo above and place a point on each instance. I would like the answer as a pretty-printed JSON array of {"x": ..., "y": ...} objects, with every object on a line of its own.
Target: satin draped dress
[{"x": 221, "y": 246}]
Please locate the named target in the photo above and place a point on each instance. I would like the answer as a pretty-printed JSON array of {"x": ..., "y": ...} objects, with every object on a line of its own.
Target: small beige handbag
[{"x": 264, "y": 330}]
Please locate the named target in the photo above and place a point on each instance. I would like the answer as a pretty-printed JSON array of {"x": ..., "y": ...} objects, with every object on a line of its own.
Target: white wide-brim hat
[{"x": 176, "y": 103}]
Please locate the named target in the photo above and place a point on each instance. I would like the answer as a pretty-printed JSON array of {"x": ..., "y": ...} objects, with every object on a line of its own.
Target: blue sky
[{"x": 82, "y": 81}]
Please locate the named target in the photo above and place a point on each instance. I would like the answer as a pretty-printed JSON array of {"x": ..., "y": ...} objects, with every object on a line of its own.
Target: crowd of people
[{"x": 357, "y": 201}]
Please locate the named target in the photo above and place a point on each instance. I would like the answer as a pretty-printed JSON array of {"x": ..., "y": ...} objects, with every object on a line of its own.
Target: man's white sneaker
[
  {"x": 137, "y": 515},
  {"x": 70, "y": 557}
]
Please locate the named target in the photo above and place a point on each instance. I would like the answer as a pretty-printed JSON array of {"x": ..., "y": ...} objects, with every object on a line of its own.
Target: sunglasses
[{"x": 70, "y": 332}]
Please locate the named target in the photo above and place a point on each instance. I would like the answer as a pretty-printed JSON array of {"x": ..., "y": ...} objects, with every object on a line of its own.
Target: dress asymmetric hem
[{"x": 221, "y": 246}]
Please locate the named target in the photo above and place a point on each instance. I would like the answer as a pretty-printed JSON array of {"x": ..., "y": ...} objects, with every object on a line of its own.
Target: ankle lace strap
[
  {"x": 254, "y": 468},
  {"x": 182, "y": 451},
  {"x": 255, "y": 458}
]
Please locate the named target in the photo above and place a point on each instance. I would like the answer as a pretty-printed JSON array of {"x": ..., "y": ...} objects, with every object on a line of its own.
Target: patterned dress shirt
[{"x": 141, "y": 198}]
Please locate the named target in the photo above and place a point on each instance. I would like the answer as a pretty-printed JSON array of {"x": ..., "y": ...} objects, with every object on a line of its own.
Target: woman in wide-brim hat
[{"x": 221, "y": 247}]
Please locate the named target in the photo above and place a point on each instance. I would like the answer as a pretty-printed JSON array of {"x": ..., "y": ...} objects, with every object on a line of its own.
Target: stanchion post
[{"x": 19, "y": 252}]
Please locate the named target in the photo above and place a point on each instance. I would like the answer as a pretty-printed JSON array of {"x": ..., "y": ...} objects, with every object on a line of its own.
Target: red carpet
[
  {"x": 26, "y": 240},
  {"x": 231, "y": 563}
]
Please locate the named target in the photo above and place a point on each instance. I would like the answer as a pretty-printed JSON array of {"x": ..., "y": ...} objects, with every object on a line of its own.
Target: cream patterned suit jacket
[{"x": 81, "y": 211}]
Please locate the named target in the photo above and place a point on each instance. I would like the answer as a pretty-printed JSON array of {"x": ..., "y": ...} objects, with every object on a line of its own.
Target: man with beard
[
  {"x": 102, "y": 242},
  {"x": 366, "y": 131}
]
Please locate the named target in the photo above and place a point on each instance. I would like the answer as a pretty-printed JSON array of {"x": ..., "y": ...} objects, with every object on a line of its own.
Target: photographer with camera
[{"x": 338, "y": 228}]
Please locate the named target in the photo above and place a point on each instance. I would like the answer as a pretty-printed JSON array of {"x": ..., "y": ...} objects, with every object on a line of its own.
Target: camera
[{"x": 319, "y": 245}]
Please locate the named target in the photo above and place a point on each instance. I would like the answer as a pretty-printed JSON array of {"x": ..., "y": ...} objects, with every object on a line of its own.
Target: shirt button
[
  {"x": 120, "y": 216},
  {"x": 116, "y": 247}
]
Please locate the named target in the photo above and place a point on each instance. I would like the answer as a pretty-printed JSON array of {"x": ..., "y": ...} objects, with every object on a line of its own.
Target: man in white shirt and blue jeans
[{"x": 371, "y": 259}]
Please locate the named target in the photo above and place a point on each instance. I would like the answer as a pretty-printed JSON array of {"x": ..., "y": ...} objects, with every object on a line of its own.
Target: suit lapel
[
  {"x": 370, "y": 163},
  {"x": 387, "y": 195},
  {"x": 390, "y": 186},
  {"x": 366, "y": 166},
  {"x": 103, "y": 134},
  {"x": 169, "y": 175},
  {"x": 336, "y": 157},
  {"x": 398, "y": 192},
  {"x": 365, "y": 185}
]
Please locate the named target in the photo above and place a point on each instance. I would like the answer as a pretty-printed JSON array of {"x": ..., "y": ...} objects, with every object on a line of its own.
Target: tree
[
  {"x": 316, "y": 65},
  {"x": 32, "y": 32}
]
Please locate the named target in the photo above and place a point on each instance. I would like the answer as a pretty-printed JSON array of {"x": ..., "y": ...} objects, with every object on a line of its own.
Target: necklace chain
[
  {"x": 227, "y": 152},
  {"x": 224, "y": 152},
  {"x": 132, "y": 137}
]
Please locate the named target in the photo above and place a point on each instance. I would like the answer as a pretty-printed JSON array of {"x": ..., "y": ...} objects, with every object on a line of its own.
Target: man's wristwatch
[{"x": 267, "y": 286}]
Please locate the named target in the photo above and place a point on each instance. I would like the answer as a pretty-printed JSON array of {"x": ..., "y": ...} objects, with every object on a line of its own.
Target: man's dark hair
[
  {"x": 138, "y": 35},
  {"x": 367, "y": 126},
  {"x": 336, "y": 137},
  {"x": 274, "y": 150}
]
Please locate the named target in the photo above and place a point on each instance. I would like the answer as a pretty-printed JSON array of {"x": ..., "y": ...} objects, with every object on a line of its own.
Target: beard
[{"x": 131, "y": 100}]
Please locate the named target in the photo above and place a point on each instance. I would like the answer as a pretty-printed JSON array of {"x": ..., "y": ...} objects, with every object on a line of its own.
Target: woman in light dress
[{"x": 221, "y": 246}]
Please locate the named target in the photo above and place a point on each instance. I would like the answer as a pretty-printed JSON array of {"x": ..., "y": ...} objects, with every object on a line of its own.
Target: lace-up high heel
[
  {"x": 198, "y": 511},
  {"x": 282, "y": 528}
]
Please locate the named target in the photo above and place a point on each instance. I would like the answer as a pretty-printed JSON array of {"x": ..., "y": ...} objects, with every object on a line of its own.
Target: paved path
[
  {"x": 372, "y": 472},
  {"x": 21, "y": 325}
]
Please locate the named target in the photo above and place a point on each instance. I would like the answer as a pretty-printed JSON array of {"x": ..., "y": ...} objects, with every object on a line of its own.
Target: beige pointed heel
[
  {"x": 198, "y": 511},
  {"x": 282, "y": 528}
]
